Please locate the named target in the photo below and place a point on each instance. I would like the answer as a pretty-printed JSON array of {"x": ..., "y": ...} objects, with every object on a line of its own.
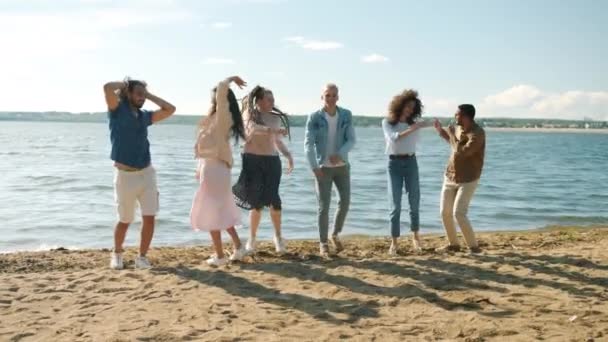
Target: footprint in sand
[
  {"x": 12, "y": 289},
  {"x": 98, "y": 279},
  {"x": 90, "y": 287},
  {"x": 115, "y": 289},
  {"x": 92, "y": 304},
  {"x": 21, "y": 336},
  {"x": 133, "y": 275}
]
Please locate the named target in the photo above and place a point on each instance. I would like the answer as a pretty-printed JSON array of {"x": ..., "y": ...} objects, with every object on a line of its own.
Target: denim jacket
[{"x": 315, "y": 140}]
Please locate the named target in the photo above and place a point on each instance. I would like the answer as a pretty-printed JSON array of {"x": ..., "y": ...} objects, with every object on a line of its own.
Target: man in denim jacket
[{"x": 330, "y": 135}]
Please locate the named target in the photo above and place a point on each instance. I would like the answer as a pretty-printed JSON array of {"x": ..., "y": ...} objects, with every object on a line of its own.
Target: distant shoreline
[
  {"x": 504, "y": 124},
  {"x": 300, "y": 122},
  {"x": 548, "y": 130}
]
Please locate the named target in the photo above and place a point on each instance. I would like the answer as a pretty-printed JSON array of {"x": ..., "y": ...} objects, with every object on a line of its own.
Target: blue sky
[{"x": 509, "y": 58}]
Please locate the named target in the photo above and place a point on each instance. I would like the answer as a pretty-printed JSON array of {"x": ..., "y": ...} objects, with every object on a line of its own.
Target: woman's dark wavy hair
[
  {"x": 254, "y": 115},
  {"x": 395, "y": 108},
  {"x": 238, "y": 130}
]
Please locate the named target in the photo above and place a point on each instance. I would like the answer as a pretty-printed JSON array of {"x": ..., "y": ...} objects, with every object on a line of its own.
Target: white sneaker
[
  {"x": 238, "y": 254},
  {"x": 392, "y": 251},
  {"x": 279, "y": 245},
  {"x": 142, "y": 263},
  {"x": 216, "y": 262},
  {"x": 250, "y": 247},
  {"x": 116, "y": 261}
]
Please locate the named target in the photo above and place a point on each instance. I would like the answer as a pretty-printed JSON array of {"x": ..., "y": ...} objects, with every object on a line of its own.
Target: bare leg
[
  {"x": 216, "y": 236},
  {"x": 255, "y": 216},
  {"x": 120, "y": 232},
  {"x": 395, "y": 241},
  {"x": 416, "y": 241},
  {"x": 235, "y": 237},
  {"x": 147, "y": 232},
  {"x": 275, "y": 216}
]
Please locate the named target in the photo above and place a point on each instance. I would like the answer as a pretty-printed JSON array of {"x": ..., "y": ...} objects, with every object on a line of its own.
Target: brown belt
[{"x": 126, "y": 168}]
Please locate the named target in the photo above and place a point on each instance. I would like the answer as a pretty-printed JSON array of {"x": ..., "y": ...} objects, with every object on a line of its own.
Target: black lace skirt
[{"x": 258, "y": 184}]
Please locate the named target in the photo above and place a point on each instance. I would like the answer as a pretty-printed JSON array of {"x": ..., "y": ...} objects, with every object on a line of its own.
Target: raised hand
[
  {"x": 437, "y": 125},
  {"x": 238, "y": 81},
  {"x": 452, "y": 130}
]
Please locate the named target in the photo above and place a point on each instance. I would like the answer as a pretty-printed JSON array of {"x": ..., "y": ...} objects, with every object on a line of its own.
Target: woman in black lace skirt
[{"x": 258, "y": 184}]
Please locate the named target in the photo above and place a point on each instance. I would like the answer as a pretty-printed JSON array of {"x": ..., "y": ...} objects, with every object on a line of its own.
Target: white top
[
  {"x": 259, "y": 140},
  {"x": 213, "y": 139},
  {"x": 405, "y": 145},
  {"x": 332, "y": 148}
]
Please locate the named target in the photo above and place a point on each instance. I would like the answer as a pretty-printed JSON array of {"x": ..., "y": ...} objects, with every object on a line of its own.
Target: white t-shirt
[
  {"x": 332, "y": 148},
  {"x": 406, "y": 145}
]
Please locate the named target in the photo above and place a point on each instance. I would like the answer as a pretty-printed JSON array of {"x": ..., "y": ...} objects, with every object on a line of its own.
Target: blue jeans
[{"x": 403, "y": 172}]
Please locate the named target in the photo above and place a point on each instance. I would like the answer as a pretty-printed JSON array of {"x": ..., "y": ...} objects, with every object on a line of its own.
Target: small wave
[
  {"x": 583, "y": 219},
  {"x": 41, "y": 248},
  {"x": 86, "y": 188}
]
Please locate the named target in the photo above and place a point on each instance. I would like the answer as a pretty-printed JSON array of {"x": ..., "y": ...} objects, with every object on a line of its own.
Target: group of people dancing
[{"x": 262, "y": 127}]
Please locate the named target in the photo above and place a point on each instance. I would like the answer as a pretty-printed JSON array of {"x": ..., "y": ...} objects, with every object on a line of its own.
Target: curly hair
[
  {"x": 130, "y": 85},
  {"x": 395, "y": 108}
]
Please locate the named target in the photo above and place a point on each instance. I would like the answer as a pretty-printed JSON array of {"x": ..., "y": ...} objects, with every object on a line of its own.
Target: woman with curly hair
[{"x": 401, "y": 133}]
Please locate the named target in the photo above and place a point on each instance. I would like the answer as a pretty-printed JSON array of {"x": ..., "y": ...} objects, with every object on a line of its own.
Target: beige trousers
[{"x": 455, "y": 200}]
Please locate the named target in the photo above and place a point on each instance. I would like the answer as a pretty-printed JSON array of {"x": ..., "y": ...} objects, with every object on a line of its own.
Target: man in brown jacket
[{"x": 468, "y": 143}]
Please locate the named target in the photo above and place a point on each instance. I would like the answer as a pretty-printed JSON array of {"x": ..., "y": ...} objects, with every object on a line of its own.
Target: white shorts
[{"x": 132, "y": 187}]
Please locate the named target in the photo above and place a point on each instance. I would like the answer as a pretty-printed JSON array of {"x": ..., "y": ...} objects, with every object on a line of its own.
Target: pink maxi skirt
[{"x": 213, "y": 207}]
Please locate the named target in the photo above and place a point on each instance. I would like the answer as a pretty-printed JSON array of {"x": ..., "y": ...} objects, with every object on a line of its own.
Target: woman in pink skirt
[{"x": 213, "y": 207}]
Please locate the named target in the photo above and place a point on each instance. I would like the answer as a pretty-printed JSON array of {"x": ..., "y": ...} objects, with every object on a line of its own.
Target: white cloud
[
  {"x": 519, "y": 95},
  {"x": 529, "y": 101},
  {"x": 69, "y": 32},
  {"x": 374, "y": 58},
  {"x": 439, "y": 106},
  {"x": 54, "y": 52},
  {"x": 221, "y": 25},
  {"x": 574, "y": 104},
  {"x": 216, "y": 60},
  {"x": 315, "y": 45}
]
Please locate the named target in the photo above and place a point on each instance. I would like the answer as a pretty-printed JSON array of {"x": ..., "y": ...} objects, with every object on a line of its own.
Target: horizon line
[{"x": 358, "y": 115}]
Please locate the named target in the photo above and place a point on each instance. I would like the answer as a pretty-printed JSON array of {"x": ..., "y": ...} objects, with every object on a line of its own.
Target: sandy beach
[{"x": 542, "y": 285}]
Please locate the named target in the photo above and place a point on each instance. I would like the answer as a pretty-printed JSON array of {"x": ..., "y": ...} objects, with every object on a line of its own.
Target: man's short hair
[{"x": 468, "y": 110}]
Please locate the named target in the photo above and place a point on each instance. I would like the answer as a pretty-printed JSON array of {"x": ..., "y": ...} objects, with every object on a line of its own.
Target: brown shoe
[
  {"x": 448, "y": 248},
  {"x": 335, "y": 241}
]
